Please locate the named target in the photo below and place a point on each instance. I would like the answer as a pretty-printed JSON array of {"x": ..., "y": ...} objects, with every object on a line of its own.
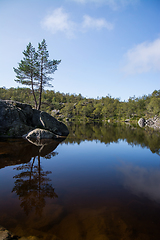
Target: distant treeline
[{"x": 77, "y": 107}]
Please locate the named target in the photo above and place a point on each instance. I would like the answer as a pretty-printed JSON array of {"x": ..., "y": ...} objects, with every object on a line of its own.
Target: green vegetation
[
  {"x": 34, "y": 70},
  {"x": 77, "y": 108}
]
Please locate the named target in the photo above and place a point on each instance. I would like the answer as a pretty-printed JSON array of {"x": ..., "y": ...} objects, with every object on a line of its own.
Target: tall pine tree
[
  {"x": 27, "y": 70},
  {"x": 46, "y": 67}
]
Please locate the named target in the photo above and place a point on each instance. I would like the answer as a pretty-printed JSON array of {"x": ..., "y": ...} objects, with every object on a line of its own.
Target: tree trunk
[
  {"x": 40, "y": 96},
  {"x": 40, "y": 89},
  {"x": 34, "y": 94}
]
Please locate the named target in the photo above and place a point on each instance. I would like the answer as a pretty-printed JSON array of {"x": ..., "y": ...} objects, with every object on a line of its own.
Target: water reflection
[
  {"x": 141, "y": 181},
  {"x": 19, "y": 151},
  {"x": 109, "y": 133},
  {"x": 90, "y": 192},
  {"x": 32, "y": 183},
  {"x": 32, "y": 186}
]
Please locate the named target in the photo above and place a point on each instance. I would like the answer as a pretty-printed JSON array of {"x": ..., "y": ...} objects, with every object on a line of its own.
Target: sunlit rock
[
  {"x": 40, "y": 134},
  {"x": 141, "y": 122}
]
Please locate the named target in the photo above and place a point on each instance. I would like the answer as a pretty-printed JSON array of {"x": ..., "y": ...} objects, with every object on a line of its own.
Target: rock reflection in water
[{"x": 18, "y": 151}]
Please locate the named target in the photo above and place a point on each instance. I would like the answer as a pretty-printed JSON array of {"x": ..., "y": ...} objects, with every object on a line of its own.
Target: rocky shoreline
[{"x": 151, "y": 122}]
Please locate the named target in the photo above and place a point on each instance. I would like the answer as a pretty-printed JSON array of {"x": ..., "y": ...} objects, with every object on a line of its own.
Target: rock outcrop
[
  {"x": 18, "y": 119},
  {"x": 151, "y": 122}
]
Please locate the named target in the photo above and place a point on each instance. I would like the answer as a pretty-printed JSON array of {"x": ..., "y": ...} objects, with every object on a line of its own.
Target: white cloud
[
  {"x": 144, "y": 57},
  {"x": 96, "y": 23},
  {"x": 113, "y": 4},
  {"x": 79, "y": 1},
  {"x": 59, "y": 21}
]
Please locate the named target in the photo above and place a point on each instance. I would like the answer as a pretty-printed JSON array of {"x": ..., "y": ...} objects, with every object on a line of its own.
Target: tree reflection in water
[{"x": 32, "y": 183}]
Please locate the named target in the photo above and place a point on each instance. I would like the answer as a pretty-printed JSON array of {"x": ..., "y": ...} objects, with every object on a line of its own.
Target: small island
[{"x": 20, "y": 120}]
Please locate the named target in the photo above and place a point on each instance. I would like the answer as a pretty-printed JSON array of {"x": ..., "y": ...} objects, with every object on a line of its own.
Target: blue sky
[{"x": 106, "y": 46}]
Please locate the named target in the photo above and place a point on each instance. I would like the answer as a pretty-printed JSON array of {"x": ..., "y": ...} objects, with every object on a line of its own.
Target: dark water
[{"x": 102, "y": 183}]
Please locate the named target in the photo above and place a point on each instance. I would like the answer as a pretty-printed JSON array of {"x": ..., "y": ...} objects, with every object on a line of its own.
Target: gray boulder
[
  {"x": 40, "y": 134},
  {"x": 17, "y": 119},
  {"x": 141, "y": 122}
]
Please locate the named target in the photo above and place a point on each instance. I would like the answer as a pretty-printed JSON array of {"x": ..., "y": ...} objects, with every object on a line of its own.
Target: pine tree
[
  {"x": 27, "y": 70},
  {"x": 35, "y": 68},
  {"x": 46, "y": 67}
]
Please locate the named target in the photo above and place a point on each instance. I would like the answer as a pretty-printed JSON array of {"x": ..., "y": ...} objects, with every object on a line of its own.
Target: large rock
[
  {"x": 141, "y": 122},
  {"x": 17, "y": 119},
  {"x": 51, "y": 124}
]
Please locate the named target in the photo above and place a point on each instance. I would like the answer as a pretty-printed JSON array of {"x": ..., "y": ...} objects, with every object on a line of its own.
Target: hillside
[{"x": 77, "y": 107}]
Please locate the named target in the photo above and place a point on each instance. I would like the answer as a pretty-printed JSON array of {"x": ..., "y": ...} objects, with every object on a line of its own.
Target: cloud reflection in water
[{"x": 142, "y": 181}]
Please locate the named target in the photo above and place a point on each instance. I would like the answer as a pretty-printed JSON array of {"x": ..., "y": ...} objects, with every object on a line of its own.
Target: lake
[{"x": 102, "y": 182}]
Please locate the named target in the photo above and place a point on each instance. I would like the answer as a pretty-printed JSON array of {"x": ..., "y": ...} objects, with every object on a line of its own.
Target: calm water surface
[{"x": 102, "y": 183}]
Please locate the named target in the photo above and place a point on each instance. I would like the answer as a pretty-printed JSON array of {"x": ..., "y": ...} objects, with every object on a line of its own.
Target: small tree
[{"x": 35, "y": 68}]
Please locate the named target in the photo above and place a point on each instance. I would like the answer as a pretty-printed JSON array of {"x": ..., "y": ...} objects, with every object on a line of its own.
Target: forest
[{"x": 72, "y": 107}]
